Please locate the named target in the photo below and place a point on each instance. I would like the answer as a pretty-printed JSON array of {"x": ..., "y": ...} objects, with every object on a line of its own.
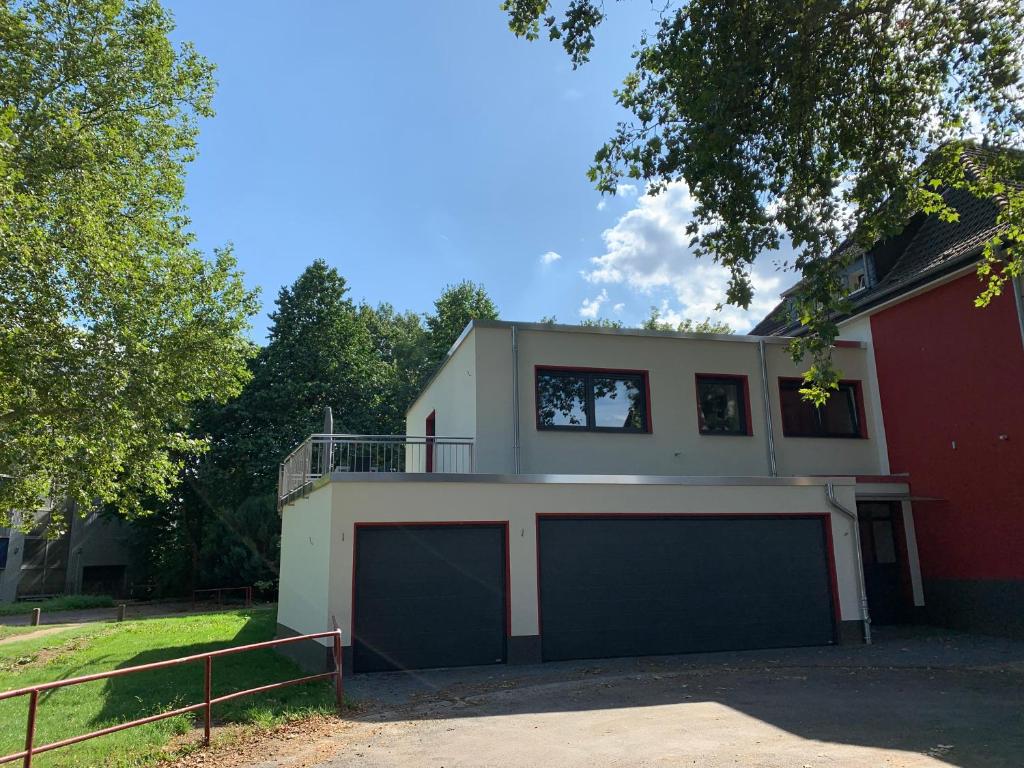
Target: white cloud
[
  {"x": 590, "y": 307},
  {"x": 649, "y": 251},
  {"x": 602, "y": 203},
  {"x": 626, "y": 190},
  {"x": 549, "y": 258},
  {"x": 617, "y": 308}
]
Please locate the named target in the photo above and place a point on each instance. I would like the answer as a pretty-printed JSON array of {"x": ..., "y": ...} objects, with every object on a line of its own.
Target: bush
[{"x": 66, "y": 603}]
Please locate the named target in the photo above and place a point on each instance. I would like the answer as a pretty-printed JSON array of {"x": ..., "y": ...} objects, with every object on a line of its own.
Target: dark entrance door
[
  {"x": 883, "y": 549},
  {"x": 429, "y": 596},
  {"x": 637, "y": 586}
]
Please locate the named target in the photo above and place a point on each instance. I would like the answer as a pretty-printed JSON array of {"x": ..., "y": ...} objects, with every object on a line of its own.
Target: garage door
[
  {"x": 429, "y": 596},
  {"x": 645, "y": 586}
]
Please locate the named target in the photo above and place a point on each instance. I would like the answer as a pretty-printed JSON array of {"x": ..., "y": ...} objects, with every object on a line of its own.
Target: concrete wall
[
  {"x": 452, "y": 397},
  {"x": 306, "y": 559},
  {"x": 311, "y": 589},
  {"x": 675, "y": 445},
  {"x": 97, "y": 541}
]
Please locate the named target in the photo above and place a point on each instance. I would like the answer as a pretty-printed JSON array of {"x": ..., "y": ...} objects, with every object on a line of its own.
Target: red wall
[{"x": 950, "y": 372}]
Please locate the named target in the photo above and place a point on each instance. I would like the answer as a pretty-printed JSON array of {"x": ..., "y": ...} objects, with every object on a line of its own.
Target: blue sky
[{"x": 416, "y": 144}]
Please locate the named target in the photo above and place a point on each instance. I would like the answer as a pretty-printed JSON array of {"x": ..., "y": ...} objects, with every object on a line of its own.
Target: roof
[{"x": 928, "y": 249}]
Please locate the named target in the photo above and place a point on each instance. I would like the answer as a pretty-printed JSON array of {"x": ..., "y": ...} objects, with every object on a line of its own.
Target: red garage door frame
[{"x": 503, "y": 524}]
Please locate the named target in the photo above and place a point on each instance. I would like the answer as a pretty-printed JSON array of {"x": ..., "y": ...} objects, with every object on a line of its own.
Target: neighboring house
[
  {"x": 950, "y": 380},
  {"x": 574, "y": 492},
  {"x": 91, "y": 557}
]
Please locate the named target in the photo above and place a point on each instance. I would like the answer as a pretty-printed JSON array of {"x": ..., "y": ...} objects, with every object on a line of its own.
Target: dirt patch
[
  {"x": 41, "y": 632},
  {"x": 296, "y": 744}
]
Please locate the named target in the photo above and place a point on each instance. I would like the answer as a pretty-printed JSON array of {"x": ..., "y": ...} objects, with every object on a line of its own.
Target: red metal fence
[
  {"x": 206, "y": 705},
  {"x": 218, "y": 593}
]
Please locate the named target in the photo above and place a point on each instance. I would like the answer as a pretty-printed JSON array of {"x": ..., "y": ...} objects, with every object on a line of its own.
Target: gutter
[{"x": 830, "y": 497}]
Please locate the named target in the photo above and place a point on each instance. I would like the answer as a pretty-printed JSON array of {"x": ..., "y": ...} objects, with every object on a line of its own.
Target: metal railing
[
  {"x": 206, "y": 705},
  {"x": 217, "y": 595},
  {"x": 321, "y": 455}
]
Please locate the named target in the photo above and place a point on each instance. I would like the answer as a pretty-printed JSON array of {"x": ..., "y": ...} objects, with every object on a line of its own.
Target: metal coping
[{"x": 553, "y": 479}]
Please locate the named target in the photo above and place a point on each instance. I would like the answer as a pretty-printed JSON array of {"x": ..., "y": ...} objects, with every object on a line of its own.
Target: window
[
  {"x": 723, "y": 405},
  {"x": 4, "y": 542},
  {"x": 579, "y": 399},
  {"x": 841, "y": 416}
]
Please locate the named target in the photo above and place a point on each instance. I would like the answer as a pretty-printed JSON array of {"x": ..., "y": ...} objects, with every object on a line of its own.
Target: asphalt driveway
[{"x": 915, "y": 698}]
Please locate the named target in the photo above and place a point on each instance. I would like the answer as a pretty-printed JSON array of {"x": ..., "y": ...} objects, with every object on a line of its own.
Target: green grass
[
  {"x": 100, "y": 647},
  {"x": 69, "y": 603}
]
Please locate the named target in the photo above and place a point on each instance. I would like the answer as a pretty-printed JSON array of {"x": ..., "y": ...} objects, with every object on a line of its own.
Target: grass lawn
[
  {"x": 100, "y": 647},
  {"x": 69, "y": 603}
]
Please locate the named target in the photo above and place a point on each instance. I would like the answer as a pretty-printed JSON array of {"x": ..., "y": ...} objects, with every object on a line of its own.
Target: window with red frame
[
  {"x": 840, "y": 416},
  {"x": 723, "y": 405}
]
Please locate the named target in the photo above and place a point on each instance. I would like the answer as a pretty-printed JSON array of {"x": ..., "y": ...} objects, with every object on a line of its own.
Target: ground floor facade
[{"x": 448, "y": 570}]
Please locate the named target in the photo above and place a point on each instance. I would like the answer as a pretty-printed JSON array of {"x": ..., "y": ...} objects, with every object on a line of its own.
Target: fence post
[
  {"x": 30, "y": 730},
  {"x": 207, "y": 689},
  {"x": 36, "y": 613},
  {"x": 120, "y": 612},
  {"x": 338, "y": 690}
]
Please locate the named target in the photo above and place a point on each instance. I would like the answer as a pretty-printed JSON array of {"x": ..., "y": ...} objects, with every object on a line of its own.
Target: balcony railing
[{"x": 321, "y": 455}]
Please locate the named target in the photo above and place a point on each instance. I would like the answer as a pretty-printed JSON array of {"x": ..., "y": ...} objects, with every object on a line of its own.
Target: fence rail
[
  {"x": 217, "y": 593},
  {"x": 206, "y": 705},
  {"x": 320, "y": 455}
]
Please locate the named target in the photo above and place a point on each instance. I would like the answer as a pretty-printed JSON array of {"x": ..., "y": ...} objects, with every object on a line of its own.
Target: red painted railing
[
  {"x": 218, "y": 593},
  {"x": 206, "y": 705}
]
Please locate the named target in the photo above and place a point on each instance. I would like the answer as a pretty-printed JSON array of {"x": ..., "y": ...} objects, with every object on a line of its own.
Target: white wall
[
  {"x": 859, "y": 329},
  {"x": 358, "y": 500},
  {"x": 303, "y": 593},
  {"x": 473, "y": 394},
  {"x": 452, "y": 397}
]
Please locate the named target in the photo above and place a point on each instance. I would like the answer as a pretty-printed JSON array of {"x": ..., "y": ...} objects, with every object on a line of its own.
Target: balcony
[{"x": 321, "y": 455}]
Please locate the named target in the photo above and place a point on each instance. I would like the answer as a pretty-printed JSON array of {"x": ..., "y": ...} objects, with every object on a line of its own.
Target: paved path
[{"x": 914, "y": 700}]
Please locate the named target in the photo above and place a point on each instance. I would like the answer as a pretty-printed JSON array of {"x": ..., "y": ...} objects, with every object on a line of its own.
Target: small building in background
[{"x": 92, "y": 556}]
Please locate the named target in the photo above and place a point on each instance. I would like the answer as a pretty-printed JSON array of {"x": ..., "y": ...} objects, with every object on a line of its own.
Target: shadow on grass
[{"x": 137, "y": 695}]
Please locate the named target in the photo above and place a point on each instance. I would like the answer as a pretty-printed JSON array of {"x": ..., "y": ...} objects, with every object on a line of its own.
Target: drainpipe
[
  {"x": 515, "y": 401},
  {"x": 830, "y": 496},
  {"x": 767, "y": 410},
  {"x": 1018, "y": 295}
]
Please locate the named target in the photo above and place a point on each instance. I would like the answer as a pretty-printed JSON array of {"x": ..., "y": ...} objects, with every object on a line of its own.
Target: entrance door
[{"x": 883, "y": 549}]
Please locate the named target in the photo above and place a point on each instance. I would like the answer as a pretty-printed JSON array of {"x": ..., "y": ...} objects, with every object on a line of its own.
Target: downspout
[
  {"x": 515, "y": 402},
  {"x": 1018, "y": 295},
  {"x": 830, "y": 496},
  {"x": 767, "y": 410}
]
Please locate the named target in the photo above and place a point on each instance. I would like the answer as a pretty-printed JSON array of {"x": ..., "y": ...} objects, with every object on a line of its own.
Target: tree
[
  {"x": 814, "y": 122},
  {"x": 400, "y": 341},
  {"x": 453, "y": 310},
  {"x": 686, "y": 325},
  {"x": 112, "y": 323}
]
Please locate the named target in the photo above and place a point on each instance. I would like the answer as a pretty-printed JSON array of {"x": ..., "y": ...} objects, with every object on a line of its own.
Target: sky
[{"x": 416, "y": 144}]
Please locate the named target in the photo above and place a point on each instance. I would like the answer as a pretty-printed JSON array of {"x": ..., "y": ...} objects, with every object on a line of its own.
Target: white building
[{"x": 575, "y": 492}]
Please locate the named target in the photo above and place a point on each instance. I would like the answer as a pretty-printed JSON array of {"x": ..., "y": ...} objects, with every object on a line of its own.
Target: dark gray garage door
[
  {"x": 645, "y": 586},
  {"x": 429, "y": 596}
]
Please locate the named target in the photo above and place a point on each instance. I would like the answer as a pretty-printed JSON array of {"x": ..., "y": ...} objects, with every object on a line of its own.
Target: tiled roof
[{"x": 937, "y": 247}]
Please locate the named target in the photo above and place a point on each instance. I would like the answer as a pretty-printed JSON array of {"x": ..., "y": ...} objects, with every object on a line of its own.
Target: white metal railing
[{"x": 320, "y": 455}]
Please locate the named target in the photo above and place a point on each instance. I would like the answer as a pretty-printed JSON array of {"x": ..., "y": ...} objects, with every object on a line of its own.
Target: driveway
[{"x": 915, "y": 698}]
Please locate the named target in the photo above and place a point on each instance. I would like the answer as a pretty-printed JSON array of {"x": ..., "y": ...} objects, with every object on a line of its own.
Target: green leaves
[
  {"x": 112, "y": 324},
  {"x": 807, "y": 121}
]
